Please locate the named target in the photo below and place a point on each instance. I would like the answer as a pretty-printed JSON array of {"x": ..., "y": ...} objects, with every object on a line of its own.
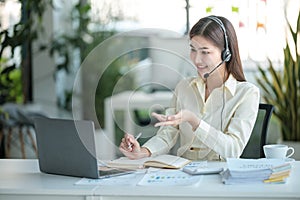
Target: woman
[{"x": 212, "y": 114}]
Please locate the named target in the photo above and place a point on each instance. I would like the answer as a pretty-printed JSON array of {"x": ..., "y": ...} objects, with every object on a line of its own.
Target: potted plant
[
  {"x": 282, "y": 89},
  {"x": 16, "y": 60}
]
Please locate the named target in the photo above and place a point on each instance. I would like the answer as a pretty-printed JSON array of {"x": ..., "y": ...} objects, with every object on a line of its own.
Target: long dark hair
[{"x": 212, "y": 31}]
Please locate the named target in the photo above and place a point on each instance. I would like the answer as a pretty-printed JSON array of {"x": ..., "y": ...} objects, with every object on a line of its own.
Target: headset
[{"x": 226, "y": 54}]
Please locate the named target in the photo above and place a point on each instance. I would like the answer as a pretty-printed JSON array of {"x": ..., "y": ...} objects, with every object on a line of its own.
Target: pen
[{"x": 137, "y": 137}]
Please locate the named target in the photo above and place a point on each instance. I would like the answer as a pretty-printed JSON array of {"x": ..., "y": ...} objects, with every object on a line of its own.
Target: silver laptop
[{"x": 67, "y": 147}]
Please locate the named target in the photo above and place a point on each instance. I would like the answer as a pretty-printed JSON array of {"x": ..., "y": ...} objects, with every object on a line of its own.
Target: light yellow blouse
[{"x": 227, "y": 119}]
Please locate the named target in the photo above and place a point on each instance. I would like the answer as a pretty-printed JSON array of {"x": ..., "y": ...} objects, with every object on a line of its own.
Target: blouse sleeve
[{"x": 166, "y": 137}]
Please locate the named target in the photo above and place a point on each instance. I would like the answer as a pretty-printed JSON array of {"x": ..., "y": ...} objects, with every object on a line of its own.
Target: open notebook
[{"x": 161, "y": 161}]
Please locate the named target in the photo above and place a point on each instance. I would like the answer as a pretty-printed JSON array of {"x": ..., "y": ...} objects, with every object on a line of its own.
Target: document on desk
[
  {"x": 169, "y": 178},
  {"x": 255, "y": 171},
  {"x": 128, "y": 179}
]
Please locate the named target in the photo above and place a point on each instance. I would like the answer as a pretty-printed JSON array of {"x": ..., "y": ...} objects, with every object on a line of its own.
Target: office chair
[
  {"x": 17, "y": 131},
  {"x": 254, "y": 147}
]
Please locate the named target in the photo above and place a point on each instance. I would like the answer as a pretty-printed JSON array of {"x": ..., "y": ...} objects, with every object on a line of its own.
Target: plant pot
[{"x": 295, "y": 145}]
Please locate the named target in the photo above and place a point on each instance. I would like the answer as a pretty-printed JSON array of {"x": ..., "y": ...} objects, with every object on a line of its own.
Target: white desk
[
  {"x": 127, "y": 102},
  {"x": 21, "y": 179}
]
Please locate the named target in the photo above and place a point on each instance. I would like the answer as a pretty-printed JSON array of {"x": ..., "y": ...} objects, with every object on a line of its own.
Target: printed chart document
[
  {"x": 168, "y": 178},
  {"x": 146, "y": 177},
  {"x": 129, "y": 179},
  {"x": 161, "y": 161}
]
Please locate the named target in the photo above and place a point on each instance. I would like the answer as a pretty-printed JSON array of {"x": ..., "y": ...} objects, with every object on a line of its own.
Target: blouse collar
[{"x": 230, "y": 84}]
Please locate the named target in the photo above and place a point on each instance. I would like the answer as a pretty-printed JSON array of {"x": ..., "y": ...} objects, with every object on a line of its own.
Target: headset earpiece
[{"x": 226, "y": 55}]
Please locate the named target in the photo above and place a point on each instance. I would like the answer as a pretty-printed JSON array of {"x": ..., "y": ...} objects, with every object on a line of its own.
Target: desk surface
[{"x": 22, "y": 177}]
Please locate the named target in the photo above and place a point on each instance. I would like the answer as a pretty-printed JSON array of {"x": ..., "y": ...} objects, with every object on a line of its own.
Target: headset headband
[{"x": 226, "y": 54}]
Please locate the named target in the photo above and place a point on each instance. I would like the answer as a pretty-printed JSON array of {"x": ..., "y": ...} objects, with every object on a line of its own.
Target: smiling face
[{"x": 205, "y": 56}]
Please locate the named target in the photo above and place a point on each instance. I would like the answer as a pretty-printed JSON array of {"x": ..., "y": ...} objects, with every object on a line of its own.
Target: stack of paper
[
  {"x": 279, "y": 174},
  {"x": 256, "y": 171}
]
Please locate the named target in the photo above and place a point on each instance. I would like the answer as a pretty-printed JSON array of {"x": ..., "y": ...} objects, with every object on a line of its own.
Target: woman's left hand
[{"x": 174, "y": 120}]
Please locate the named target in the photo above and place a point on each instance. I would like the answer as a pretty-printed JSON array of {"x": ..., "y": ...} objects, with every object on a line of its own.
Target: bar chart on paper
[{"x": 169, "y": 178}]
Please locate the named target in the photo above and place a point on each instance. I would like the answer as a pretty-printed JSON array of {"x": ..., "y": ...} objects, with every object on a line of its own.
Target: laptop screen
[{"x": 66, "y": 147}]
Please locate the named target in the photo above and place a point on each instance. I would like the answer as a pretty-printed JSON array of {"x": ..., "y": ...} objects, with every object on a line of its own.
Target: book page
[
  {"x": 161, "y": 161},
  {"x": 167, "y": 161},
  {"x": 124, "y": 162}
]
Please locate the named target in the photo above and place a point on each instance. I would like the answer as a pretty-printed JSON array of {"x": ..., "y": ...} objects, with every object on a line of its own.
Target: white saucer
[{"x": 289, "y": 160}]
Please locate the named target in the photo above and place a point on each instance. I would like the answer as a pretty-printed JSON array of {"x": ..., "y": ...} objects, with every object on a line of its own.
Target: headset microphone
[{"x": 207, "y": 74}]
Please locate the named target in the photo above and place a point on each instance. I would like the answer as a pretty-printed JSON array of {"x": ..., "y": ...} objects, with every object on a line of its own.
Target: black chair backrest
[{"x": 254, "y": 147}]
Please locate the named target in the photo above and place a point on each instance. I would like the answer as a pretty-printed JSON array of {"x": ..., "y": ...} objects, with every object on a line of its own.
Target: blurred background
[{"x": 70, "y": 58}]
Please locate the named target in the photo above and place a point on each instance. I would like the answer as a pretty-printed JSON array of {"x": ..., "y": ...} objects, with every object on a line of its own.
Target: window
[{"x": 259, "y": 24}]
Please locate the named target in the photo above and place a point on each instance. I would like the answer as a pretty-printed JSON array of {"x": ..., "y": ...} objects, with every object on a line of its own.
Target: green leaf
[
  {"x": 208, "y": 9},
  {"x": 282, "y": 88},
  {"x": 235, "y": 9}
]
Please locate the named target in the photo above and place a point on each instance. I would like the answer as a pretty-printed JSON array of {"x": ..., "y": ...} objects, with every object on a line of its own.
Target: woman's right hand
[
  {"x": 177, "y": 118},
  {"x": 131, "y": 148}
]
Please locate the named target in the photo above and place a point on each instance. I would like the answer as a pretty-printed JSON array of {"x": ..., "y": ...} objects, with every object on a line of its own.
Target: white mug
[{"x": 278, "y": 151}]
